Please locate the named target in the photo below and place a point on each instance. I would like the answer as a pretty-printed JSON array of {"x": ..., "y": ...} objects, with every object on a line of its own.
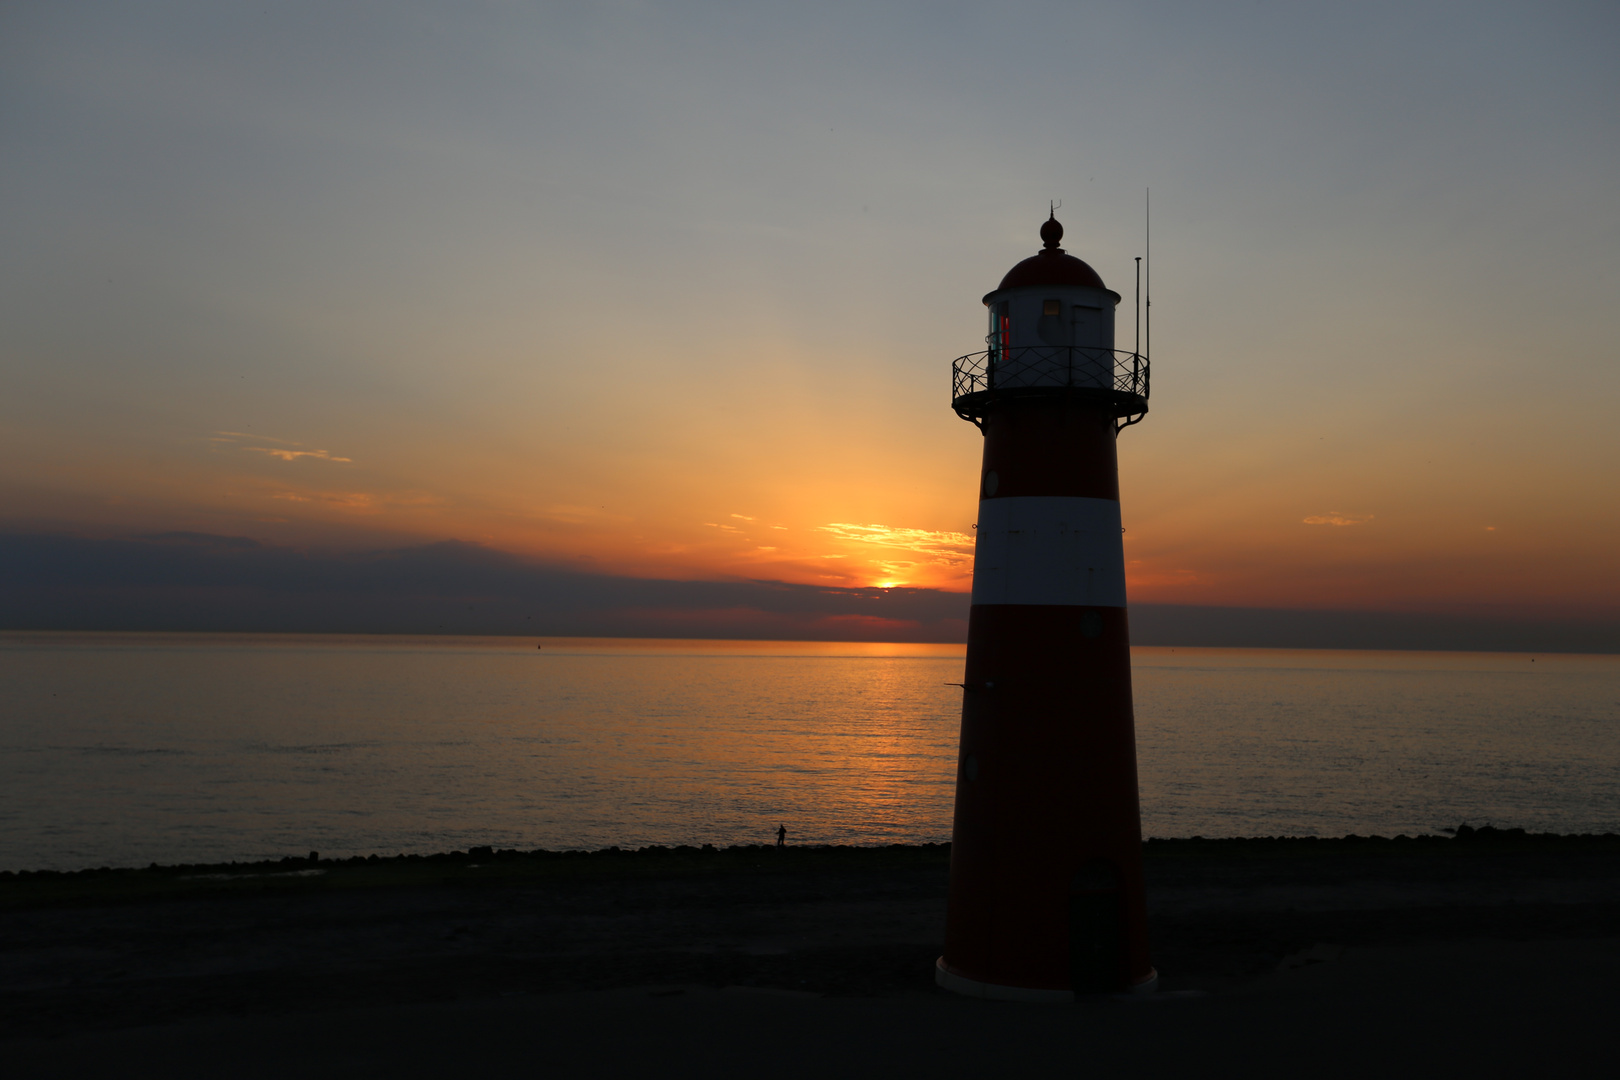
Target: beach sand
[{"x": 1485, "y": 956}]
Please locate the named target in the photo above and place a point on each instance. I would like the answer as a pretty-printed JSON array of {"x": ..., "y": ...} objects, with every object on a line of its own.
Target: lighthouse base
[{"x": 958, "y": 983}]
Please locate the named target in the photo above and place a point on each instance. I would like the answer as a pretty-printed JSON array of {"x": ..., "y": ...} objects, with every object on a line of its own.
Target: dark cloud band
[{"x": 199, "y": 582}]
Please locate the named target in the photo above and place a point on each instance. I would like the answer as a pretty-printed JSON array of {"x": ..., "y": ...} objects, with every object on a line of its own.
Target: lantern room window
[{"x": 1050, "y": 329}]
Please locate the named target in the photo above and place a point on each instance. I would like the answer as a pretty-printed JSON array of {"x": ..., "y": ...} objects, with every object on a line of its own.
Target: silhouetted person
[{"x": 781, "y": 836}]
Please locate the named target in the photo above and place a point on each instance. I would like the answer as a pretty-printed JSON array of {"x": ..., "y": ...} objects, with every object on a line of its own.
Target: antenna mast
[{"x": 1148, "y": 251}]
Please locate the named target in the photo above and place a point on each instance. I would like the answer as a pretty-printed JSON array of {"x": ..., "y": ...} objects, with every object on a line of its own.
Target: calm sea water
[{"x": 127, "y": 749}]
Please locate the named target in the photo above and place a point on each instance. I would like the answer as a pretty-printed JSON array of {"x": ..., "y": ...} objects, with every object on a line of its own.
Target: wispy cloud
[
  {"x": 354, "y": 499},
  {"x": 360, "y": 500},
  {"x": 285, "y": 449},
  {"x": 294, "y": 455},
  {"x": 941, "y": 548},
  {"x": 1333, "y": 517}
]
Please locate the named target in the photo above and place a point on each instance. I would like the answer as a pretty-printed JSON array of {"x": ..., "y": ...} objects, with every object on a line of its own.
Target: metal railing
[{"x": 979, "y": 380}]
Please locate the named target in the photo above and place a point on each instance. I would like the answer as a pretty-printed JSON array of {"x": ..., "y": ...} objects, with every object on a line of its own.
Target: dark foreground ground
[{"x": 1487, "y": 954}]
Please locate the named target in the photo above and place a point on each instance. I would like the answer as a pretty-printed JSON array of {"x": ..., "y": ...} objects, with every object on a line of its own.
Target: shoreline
[{"x": 708, "y": 856}]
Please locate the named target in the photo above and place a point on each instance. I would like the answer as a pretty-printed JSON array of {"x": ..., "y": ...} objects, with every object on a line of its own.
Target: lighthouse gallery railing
[{"x": 978, "y": 379}]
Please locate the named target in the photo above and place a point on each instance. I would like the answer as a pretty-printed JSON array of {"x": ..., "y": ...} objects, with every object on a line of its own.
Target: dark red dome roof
[{"x": 1051, "y": 266}]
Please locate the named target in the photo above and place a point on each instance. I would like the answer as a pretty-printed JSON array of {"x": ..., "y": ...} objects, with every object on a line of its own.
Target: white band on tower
[{"x": 1049, "y": 549}]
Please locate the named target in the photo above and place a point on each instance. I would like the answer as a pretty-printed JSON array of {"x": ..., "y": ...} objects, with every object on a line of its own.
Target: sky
[{"x": 670, "y": 292}]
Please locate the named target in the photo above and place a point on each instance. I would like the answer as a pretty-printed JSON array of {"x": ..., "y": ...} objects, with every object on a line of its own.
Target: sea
[{"x": 128, "y": 749}]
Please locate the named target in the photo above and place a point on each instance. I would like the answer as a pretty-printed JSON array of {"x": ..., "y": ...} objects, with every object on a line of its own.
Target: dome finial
[{"x": 1052, "y": 229}]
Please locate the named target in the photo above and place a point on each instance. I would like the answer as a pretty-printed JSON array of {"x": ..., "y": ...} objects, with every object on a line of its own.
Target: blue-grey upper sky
[{"x": 672, "y": 289}]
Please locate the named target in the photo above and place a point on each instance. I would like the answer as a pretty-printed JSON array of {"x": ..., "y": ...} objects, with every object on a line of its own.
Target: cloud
[
  {"x": 285, "y": 448},
  {"x": 294, "y": 455},
  {"x": 182, "y": 581},
  {"x": 1333, "y": 517},
  {"x": 941, "y": 548},
  {"x": 354, "y": 500},
  {"x": 359, "y": 500}
]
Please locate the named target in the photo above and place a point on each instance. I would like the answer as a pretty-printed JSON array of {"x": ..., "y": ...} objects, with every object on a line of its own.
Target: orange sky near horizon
[
  {"x": 849, "y": 497},
  {"x": 678, "y": 297}
]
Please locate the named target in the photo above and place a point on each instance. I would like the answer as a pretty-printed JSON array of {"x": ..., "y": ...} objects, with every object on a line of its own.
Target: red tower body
[{"x": 1046, "y": 896}]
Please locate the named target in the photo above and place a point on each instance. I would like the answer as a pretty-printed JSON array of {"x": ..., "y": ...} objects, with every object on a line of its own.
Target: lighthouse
[{"x": 1046, "y": 897}]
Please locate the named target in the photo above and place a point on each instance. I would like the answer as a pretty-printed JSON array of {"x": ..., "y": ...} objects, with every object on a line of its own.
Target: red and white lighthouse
[{"x": 1046, "y": 897}]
